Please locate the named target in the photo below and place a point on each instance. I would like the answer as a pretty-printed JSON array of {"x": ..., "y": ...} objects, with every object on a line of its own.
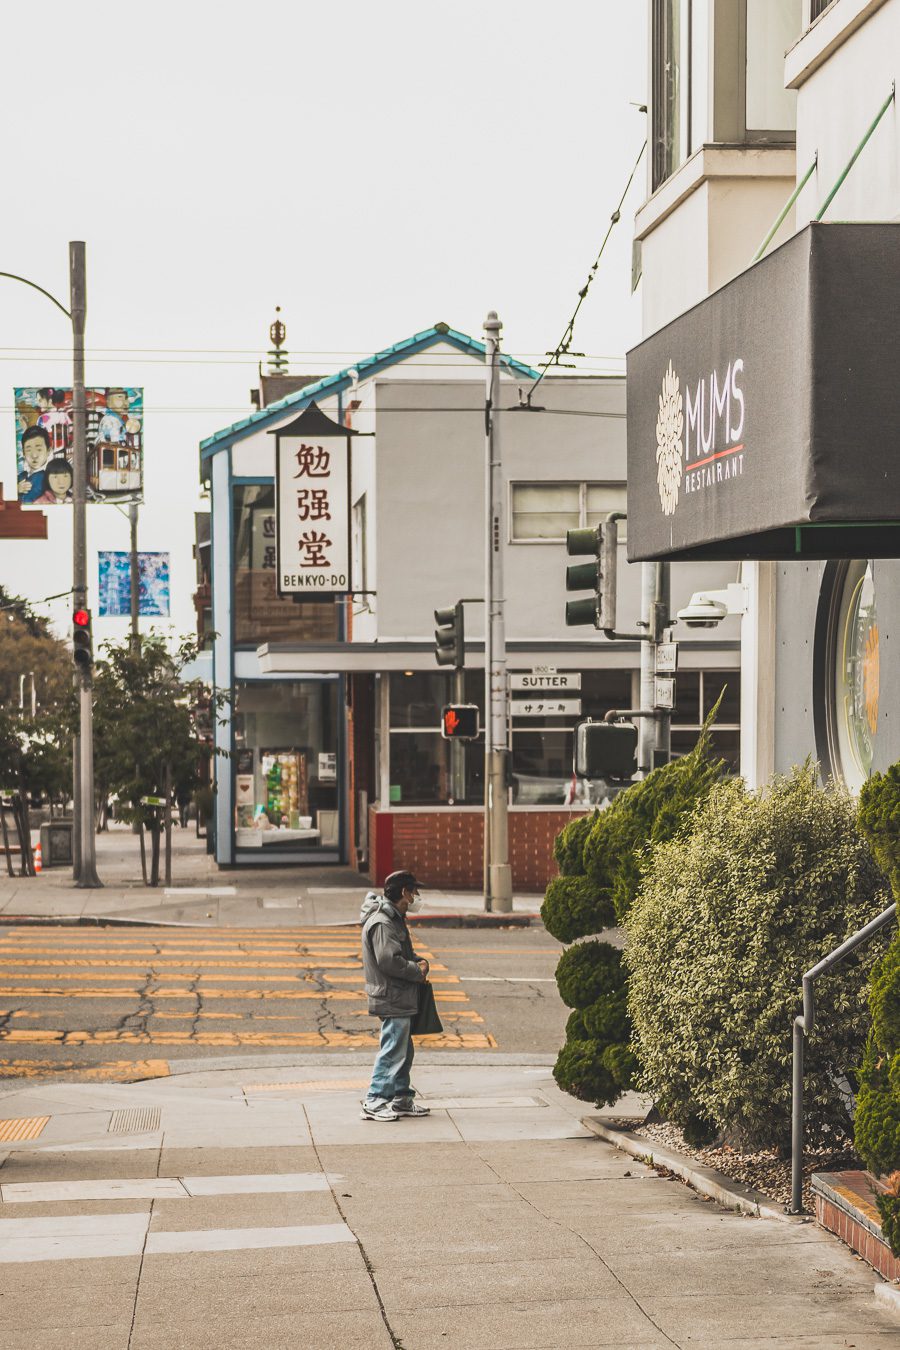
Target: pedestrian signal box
[
  {"x": 606, "y": 750},
  {"x": 459, "y": 722},
  {"x": 82, "y": 640}
]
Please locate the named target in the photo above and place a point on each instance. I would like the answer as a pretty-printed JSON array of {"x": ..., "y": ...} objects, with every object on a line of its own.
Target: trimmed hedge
[
  {"x": 587, "y": 971},
  {"x": 572, "y": 908},
  {"x": 729, "y": 915}
]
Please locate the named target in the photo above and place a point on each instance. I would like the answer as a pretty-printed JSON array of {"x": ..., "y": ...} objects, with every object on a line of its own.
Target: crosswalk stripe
[
  {"x": 339, "y": 995},
  {"x": 118, "y": 1036}
]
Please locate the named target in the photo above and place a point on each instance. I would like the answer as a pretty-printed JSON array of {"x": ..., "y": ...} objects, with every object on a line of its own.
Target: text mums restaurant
[{"x": 764, "y": 424}]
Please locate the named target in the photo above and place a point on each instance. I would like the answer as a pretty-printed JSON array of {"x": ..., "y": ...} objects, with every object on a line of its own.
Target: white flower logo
[{"x": 669, "y": 426}]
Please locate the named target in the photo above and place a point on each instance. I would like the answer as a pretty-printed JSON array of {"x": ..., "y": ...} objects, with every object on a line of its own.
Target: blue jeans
[{"x": 390, "y": 1076}]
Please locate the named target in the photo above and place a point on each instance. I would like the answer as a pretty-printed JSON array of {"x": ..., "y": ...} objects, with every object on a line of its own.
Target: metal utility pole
[
  {"x": 86, "y": 861},
  {"x": 497, "y": 871},
  {"x": 654, "y": 734},
  {"x": 135, "y": 579}
]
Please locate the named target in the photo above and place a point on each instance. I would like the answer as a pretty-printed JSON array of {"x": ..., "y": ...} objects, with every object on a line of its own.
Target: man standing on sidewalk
[{"x": 393, "y": 976}]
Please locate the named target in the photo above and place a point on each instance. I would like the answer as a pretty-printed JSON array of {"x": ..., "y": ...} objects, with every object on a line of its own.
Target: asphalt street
[{"x": 121, "y": 1004}]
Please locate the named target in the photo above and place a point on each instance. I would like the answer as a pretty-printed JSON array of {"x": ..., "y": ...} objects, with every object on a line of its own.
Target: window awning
[{"x": 765, "y": 422}]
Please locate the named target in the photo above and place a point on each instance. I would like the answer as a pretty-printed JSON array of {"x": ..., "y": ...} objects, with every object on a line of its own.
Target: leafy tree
[
  {"x": 758, "y": 888},
  {"x": 27, "y": 644},
  {"x": 145, "y": 741}
]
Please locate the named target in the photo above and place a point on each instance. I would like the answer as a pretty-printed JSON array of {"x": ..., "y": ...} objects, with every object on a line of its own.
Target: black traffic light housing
[
  {"x": 459, "y": 722},
  {"x": 599, "y": 575},
  {"x": 82, "y": 639},
  {"x": 450, "y": 636},
  {"x": 606, "y": 750}
]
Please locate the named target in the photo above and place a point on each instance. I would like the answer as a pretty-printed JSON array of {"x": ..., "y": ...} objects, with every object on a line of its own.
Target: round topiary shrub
[
  {"x": 587, "y": 971},
  {"x": 730, "y": 913},
  {"x": 568, "y": 846},
  {"x": 573, "y": 909},
  {"x": 580, "y": 1071}
]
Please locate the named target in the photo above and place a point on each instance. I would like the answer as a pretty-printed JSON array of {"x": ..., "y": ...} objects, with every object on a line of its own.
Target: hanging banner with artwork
[
  {"x": 114, "y": 589},
  {"x": 45, "y": 444},
  {"x": 312, "y": 502}
]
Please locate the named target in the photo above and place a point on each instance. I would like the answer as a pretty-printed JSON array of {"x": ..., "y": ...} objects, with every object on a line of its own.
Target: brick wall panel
[{"x": 444, "y": 848}]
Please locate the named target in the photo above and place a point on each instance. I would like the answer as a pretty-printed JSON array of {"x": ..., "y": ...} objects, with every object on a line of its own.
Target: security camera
[{"x": 702, "y": 612}]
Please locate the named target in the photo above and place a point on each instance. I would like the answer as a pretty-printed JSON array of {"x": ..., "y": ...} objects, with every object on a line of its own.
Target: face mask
[{"x": 415, "y": 905}]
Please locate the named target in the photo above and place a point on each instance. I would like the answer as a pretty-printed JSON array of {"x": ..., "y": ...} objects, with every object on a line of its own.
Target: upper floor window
[
  {"x": 817, "y": 7},
  {"x": 543, "y": 512},
  {"x": 718, "y": 76}
]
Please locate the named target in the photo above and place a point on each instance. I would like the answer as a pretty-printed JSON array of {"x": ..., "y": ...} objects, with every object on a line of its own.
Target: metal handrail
[{"x": 803, "y": 1025}]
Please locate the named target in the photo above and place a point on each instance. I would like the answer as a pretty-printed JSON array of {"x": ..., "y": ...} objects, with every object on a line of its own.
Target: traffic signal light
[
  {"x": 449, "y": 636},
  {"x": 599, "y": 575},
  {"x": 82, "y": 641},
  {"x": 606, "y": 750},
  {"x": 459, "y": 722}
]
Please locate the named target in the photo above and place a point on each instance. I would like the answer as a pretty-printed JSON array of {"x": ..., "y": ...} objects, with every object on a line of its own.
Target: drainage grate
[
  {"x": 135, "y": 1120},
  {"x": 27, "y": 1127}
]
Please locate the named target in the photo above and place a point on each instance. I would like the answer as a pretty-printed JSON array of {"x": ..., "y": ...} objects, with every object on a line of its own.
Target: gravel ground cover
[{"x": 763, "y": 1171}]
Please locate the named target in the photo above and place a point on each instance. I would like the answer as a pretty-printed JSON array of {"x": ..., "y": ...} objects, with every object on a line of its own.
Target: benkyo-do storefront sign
[
  {"x": 765, "y": 422},
  {"x": 312, "y": 497}
]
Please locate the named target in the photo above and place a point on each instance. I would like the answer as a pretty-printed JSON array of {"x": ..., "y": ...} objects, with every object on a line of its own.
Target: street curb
[
  {"x": 888, "y": 1295},
  {"x": 113, "y": 921},
  {"x": 704, "y": 1180}
]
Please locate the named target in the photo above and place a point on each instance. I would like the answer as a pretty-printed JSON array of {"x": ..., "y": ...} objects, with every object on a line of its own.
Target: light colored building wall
[
  {"x": 430, "y": 504},
  {"x": 843, "y": 72}
]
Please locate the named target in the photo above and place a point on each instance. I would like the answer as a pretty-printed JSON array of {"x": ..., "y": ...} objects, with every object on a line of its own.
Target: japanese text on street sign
[
  {"x": 546, "y": 707},
  {"x": 313, "y": 536}
]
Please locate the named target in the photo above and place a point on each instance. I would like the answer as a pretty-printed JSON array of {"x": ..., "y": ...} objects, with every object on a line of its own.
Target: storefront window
[
  {"x": 421, "y": 760},
  {"x": 286, "y": 765},
  {"x": 853, "y": 665},
  {"x": 696, "y": 694},
  {"x": 260, "y": 613}
]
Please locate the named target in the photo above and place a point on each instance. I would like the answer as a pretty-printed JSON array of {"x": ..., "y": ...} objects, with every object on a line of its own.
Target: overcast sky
[{"x": 370, "y": 168}]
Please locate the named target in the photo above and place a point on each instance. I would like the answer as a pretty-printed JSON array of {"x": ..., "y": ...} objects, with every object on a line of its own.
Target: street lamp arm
[{"x": 34, "y": 286}]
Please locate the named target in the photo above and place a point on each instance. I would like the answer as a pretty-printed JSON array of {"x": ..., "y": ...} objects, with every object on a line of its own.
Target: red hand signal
[{"x": 451, "y": 721}]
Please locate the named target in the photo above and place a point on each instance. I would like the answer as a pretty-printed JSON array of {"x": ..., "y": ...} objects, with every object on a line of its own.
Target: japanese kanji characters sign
[{"x": 313, "y": 514}]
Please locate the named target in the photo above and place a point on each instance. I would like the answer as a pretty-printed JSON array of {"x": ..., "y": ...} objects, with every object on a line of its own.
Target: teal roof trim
[{"x": 343, "y": 379}]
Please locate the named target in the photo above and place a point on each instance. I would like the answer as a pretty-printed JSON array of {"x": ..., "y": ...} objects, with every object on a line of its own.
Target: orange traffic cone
[{"x": 37, "y": 859}]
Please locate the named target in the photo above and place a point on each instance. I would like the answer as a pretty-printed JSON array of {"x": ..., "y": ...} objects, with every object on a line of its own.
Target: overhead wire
[{"x": 563, "y": 347}]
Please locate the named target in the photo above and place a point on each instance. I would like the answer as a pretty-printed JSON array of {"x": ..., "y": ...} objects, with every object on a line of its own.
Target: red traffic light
[{"x": 81, "y": 618}]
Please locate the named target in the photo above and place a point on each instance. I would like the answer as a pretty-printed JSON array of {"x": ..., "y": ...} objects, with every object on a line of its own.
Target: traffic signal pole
[
  {"x": 85, "y": 874},
  {"x": 654, "y": 733},
  {"x": 497, "y": 871}
]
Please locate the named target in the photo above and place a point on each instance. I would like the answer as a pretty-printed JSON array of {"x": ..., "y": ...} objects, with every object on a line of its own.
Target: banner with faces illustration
[{"x": 45, "y": 444}]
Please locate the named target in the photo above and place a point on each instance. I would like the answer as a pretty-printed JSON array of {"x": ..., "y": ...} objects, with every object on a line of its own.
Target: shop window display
[{"x": 286, "y": 779}]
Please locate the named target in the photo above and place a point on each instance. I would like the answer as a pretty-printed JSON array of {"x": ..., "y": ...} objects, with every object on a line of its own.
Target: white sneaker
[
  {"x": 409, "y": 1107},
  {"x": 378, "y": 1111}
]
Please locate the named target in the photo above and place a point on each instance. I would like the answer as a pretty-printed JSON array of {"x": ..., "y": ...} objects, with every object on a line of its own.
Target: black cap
[{"x": 397, "y": 883}]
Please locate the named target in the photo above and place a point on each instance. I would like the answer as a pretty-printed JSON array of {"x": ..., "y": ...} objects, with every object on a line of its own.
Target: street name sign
[
  {"x": 543, "y": 681},
  {"x": 543, "y": 705}
]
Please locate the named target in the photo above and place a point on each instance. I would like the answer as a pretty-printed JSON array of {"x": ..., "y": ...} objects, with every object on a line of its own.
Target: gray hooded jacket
[{"x": 389, "y": 962}]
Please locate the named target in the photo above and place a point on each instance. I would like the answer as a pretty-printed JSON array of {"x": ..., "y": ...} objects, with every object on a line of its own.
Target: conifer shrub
[
  {"x": 877, "y": 1122},
  {"x": 599, "y": 859},
  {"x": 758, "y": 888},
  {"x": 588, "y": 970},
  {"x": 572, "y": 908},
  {"x": 568, "y": 846}
]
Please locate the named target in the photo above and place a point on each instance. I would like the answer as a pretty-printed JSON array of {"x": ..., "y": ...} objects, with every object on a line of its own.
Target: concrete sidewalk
[
  {"x": 243, "y": 1206},
  {"x": 206, "y": 895}
]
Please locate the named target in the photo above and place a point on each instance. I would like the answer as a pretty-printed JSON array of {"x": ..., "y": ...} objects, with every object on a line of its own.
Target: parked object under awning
[{"x": 765, "y": 422}]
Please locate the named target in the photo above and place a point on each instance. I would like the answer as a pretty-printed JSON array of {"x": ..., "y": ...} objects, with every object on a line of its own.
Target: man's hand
[{"x": 423, "y": 966}]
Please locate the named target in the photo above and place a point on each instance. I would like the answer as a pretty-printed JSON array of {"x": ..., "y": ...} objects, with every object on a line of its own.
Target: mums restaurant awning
[{"x": 765, "y": 422}]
